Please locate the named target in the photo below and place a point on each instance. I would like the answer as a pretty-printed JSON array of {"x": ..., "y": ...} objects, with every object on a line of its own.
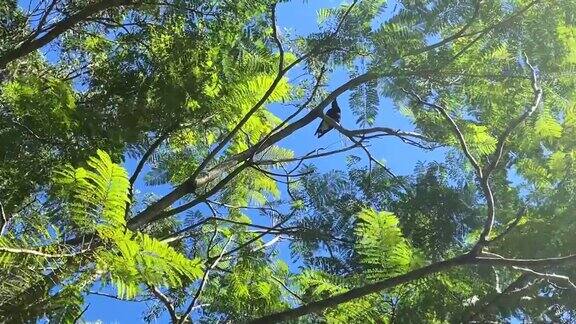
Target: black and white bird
[{"x": 333, "y": 113}]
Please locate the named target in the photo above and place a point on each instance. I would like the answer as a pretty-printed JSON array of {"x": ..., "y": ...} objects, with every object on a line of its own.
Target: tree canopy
[{"x": 145, "y": 151}]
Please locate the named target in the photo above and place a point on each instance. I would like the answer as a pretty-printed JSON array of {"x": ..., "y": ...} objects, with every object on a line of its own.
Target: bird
[{"x": 333, "y": 113}]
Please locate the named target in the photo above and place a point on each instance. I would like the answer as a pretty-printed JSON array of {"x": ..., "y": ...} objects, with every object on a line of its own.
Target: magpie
[{"x": 333, "y": 113}]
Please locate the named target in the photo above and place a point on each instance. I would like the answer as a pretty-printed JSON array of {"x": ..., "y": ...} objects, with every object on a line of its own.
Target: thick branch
[
  {"x": 192, "y": 183},
  {"x": 203, "y": 196},
  {"x": 354, "y": 293},
  {"x": 359, "y": 292},
  {"x": 4, "y": 220},
  {"x": 189, "y": 186},
  {"x": 58, "y": 29}
]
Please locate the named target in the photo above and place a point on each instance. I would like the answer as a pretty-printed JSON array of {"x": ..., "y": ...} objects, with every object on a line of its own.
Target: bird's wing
[
  {"x": 334, "y": 114},
  {"x": 335, "y": 105}
]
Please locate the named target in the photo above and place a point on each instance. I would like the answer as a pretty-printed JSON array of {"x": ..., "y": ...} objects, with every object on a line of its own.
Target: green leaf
[{"x": 381, "y": 245}]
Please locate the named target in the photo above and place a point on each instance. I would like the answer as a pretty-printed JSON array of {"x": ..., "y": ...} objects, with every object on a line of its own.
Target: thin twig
[
  {"x": 287, "y": 288},
  {"x": 166, "y": 301},
  {"x": 203, "y": 283},
  {"x": 510, "y": 226},
  {"x": 551, "y": 276},
  {"x": 256, "y": 238},
  {"x": 178, "y": 235},
  {"x": 4, "y": 220},
  {"x": 516, "y": 122},
  {"x": 97, "y": 293},
  {"x": 276, "y": 39},
  {"x": 489, "y": 224},
  {"x": 455, "y": 129},
  {"x": 79, "y": 316},
  {"x": 39, "y": 253},
  {"x": 308, "y": 156},
  {"x": 359, "y": 143}
]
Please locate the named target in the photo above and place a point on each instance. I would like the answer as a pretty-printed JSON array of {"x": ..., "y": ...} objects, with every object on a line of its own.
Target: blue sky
[{"x": 300, "y": 18}]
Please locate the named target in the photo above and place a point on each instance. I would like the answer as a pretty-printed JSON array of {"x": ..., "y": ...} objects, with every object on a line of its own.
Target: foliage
[{"x": 155, "y": 151}]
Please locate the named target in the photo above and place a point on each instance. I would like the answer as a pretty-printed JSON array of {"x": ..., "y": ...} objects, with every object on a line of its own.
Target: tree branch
[
  {"x": 149, "y": 153},
  {"x": 178, "y": 235},
  {"x": 545, "y": 262},
  {"x": 551, "y": 276},
  {"x": 58, "y": 29},
  {"x": 308, "y": 156},
  {"x": 482, "y": 241},
  {"x": 203, "y": 283},
  {"x": 455, "y": 36},
  {"x": 190, "y": 185},
  {"x": 510, "y": 226},
  {"x": 4, "y": 221},
  {"x": 202, "y": 197},
  {"x": 464, "y": 259},
  {"x": 79, "y": 316},
  {"x": 354, "y": 293},
  {"x": 40, "y": 253},
  {"x": 516, "y": 122},
  {"x": 456, "y": 130},
  {"x": 167, "y": 302},
  {"x": 519, "y": 284}
]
